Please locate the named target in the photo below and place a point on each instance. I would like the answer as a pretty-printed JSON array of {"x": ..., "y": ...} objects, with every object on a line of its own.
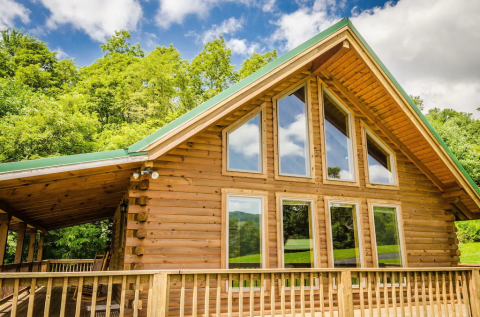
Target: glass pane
[
  {"x": 297, "y": 235},
  {"x": 346, "y": 246},
  {"x": 386, "y": 236},
  {"x": 244, "y": 232},
  {"x": 244, "y": 147},
  {"x": 379, "y": 163},
  {"x": 338, "y": 144},
  {"x": 292, "y": 134}
]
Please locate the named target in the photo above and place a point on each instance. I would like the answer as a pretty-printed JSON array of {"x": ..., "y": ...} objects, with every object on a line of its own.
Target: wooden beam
[
  {"x": 330, "y": 79},
  {"x": 464, "y": 209},
  {"x": 40, "y": 247},
  {"x": 458, "y": 212},
  {"x": 31, "y": 245},
  {"x": 22, "y": 218},
  {"x": 328, "y": 58},
  {"x": 4, "y": 225},
  {"x": 22, "y": 227}
]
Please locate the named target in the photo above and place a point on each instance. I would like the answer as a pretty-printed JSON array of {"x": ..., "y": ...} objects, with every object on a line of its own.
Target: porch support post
[
  {"x": 475, "y": 292},
  {"x": 160, "y": 295},
  {"x": 22, "y": 227},
  {"x": 4, "y": 224},
  {"x": 31, "y": 245},
  {"x": 40, "y": 247},
  {"x": 345, "y": 295}
]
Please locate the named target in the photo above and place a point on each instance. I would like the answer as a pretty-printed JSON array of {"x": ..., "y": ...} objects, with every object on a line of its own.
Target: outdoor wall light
[{"x": 147, "y": 170}]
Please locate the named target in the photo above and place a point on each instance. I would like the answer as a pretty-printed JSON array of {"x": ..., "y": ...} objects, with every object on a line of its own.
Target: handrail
[
  {"x": 343, "y": 292},
  {"x": 71, "y": 261}
]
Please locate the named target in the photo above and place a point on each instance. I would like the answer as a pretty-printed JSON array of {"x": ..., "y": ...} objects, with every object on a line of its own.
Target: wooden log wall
[{"x": 183, "y": 206}]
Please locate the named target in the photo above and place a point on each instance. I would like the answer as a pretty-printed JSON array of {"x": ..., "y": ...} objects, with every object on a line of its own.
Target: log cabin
[{"x": 315, "y": 186}]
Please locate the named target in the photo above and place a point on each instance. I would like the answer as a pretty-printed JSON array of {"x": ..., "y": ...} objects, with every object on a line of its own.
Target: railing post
[
  {"x": 345, "y": 294},
  {"x": 475, "y": 292},
  {"x": 159, "y": 295}
]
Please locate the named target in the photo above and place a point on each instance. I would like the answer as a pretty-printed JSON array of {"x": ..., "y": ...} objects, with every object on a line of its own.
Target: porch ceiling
[{"x": 65, "y": 199}]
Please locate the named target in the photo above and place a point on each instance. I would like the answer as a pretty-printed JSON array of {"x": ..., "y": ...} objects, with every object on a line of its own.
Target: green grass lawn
[
  {"x": 304, "y": 257},
  {"x": 470, "y": 253}
]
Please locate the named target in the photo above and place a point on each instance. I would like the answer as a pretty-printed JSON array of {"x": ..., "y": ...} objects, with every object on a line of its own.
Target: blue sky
[
  {"x": 432, "y": 47},
  {"x": 256, "y": 26}
]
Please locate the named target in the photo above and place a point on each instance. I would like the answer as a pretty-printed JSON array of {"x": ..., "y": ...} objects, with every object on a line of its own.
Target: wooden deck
[{"x": 55, "y": 305}]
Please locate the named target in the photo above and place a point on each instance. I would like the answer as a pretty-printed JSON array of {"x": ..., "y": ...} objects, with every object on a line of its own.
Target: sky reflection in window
[{"x": 244, "y": 147}]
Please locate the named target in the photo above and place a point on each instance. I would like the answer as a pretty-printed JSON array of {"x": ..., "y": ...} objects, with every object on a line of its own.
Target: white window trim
[
  {"x": 309, "y": 147},
  {"x": 399, "y": 228},
  {"x": 393, "y": 158},
  {"x": 359, "y": 227},
  {"x": 353, "y": 164},
  {"x": 263, "y": 145},
  {"x": 262, "y": 226},
  {"x": 312, "y": 224}
]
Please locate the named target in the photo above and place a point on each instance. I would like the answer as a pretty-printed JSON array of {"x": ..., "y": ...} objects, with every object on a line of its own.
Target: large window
[
  {"x": 244, "y": 231},
  {"x": 380, "y": 161},
  {"x": 244, "y": 146},
  {"x": 339, "y": 140},
  {"x": 387, "y": 236},
  {"x": 345, "y": 234},
  {"x": 292, "y": 128},
  {"x": 297, "y": 233}
]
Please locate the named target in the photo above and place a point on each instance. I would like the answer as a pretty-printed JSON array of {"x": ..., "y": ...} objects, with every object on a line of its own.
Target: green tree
[
  {"x": 211, "y": 71},
  {"x": 418, "y": 102},
  {"x": 255, "y": 62}
]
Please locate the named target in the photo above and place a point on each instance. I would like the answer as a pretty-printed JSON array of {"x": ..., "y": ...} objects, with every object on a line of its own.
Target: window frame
[
  {"x": 263, "y": 144},
  {"x": 366, "y": 131},
  {"x": 247, "y": 193},
  {"x": 306, "y": 82},
  {"x": 323, "y": 89},
  {"x": 401, "y": 234},
  {"x": 358, "y": 215},
  {"x": 279, "y": 197}
]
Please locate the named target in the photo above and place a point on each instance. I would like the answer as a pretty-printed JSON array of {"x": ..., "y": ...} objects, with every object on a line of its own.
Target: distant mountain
[{"x": 244, "y": 217}]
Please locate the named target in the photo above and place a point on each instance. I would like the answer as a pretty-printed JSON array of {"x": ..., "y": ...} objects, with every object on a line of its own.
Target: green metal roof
[
  {"x": 66, "y": 160},
  {"x": 137, "y": 147}
]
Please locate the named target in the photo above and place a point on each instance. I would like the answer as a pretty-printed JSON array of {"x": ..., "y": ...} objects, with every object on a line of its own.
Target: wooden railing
[
  {"x": 261, "y": 292},
  {"x": 76, "y": 265}
]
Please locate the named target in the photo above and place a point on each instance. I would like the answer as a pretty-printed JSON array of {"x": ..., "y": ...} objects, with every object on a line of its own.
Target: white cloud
[
  {"x": 227, "y": 27},
  {"x": 175, "y": 11},
  {"x": 242, "y": 47},
  {"x": 246, "y": 140},
  {"x": 60, "y": 53},
  {"x": 296, "y": 131},
  {"x": 11, "y": 10},
  {"x": 99, "y": 19},
  {"x": 430, "y": 46}
]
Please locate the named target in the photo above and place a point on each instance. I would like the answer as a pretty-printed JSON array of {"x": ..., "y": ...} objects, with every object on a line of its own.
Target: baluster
[
  {"x": 452, "y": 294},
  {"x": 424, "y": 295},
  {"x": 272, "y": 294},
  {"x": 230, "y": 294},
  {"x": 94, "y": 296},
  {"x": 31, "y": 300},
  {"x": 459, "y": 297},
  {"x": 79, "y": 296},
  {"x": 282, "y": 294},
  {"x": 109, "y": 296},
  {"x": 64, "y": 297},
  {"x": 252, "y": 300},
  {"x": 122, "y": 295},
  {"x": 195, "y": 289},
  {"x": 417, "y": 306},
  {"x": 207, "y": 294},
  {"x": 292, "y": 294},
  {"x": 444, "y": 293},
  {"x": 48, "y": 297},
  {"x": 262, "y": 294},
  {"x": 377, "y": 294},
  {"x": 394, "y": 293},
  {"x": 437, "y": 293},
  {"x": 401, "y": 294},
  {"x": 362, "y": 296},
  {"x": 320, "y": 293},
  {"x": 219, "y": 282},
  {"x": 302, "y": 294},
  {"x": 16, "y": 286},
  {"x": 385, "y": 294},
  {"x": 369, "y": 294},
  {"x": 312, "y": 298},
  {"x": 137, "y": 297},
  {"x": 430, "y": 294},
  {"x": 468, "y": 304},
  {"x": 182, "y": 297},
  {"x": 330, "y": 293}
]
